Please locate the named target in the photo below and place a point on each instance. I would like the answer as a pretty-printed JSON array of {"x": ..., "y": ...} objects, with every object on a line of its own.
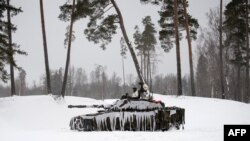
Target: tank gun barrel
[{"x": 88, "y": 106}]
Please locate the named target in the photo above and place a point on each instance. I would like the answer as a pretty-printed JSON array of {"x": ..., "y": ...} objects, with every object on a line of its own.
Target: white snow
[
  {"x": 40, "y": 118},
  {"x": 134, "y": 104}
]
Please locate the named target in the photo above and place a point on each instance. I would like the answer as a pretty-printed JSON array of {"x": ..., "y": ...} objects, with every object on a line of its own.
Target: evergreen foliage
[
  {"x": 100, "y": 28},
  {"x": 137, "y": 38},
  {"x": 145, "y": 42},
  {"x": 148, "y": 35},
  {"x": 235, "y": 29},
  {"x": 70, "y": 36},
  {"x": 167, "y": 25},
  {"x": 172, "y": 22},
  {"x": 102, "y": 24},
  {"x": 7, "y": 54},
  {"x": 123, "y": 48},
  {"x": 166, "y": 22}
]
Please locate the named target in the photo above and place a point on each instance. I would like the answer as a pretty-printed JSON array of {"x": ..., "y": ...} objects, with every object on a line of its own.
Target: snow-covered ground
[{"x": 40, "y": 118}]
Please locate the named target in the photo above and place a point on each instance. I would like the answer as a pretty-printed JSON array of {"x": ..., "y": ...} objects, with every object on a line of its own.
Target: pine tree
[
  {"x": 235, "y": 29},
  {"x": 247, "y": 51},
  {"x": 138, "y": 45},
  {"x": 46, "y": 58},
  {"x": 123, "y": 54},
  {"x": 69, "y": 49},
  {"x": 177, "y": 44},
  {"x": 145, "y": 42},
  {"x": 7, "y": 48},
  {"x": 167, "y": 23},
  {"x": 189, "y": 48},
  {"x": 12, "y": 77},
  {"x": 172, "y": 21},
  {"x": 235, "y": 26},
  {"x": 221, "y": 56},
  {"x": 149, "y": 42}
]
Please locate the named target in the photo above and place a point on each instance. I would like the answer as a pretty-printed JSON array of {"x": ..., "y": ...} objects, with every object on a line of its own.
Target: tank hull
[{"x": 131, "y": 120}]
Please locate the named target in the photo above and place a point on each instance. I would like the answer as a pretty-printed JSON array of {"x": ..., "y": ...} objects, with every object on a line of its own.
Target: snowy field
[{"x": 40, "y": 118}]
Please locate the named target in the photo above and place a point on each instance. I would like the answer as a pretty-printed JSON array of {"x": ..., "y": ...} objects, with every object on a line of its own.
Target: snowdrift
[{"x": 40, "y": 118}]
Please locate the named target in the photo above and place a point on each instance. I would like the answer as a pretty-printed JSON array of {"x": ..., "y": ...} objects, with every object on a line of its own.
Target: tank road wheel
[
  {"x": 76, "y": 123},
  {"x": 165, "y": 127},
  {"x": 177, "y": 126},
  {"x": 79, "y": 124}
]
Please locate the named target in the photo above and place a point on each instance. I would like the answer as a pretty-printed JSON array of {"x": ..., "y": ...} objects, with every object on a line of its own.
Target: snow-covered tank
[{"x": 130, "y": 115}]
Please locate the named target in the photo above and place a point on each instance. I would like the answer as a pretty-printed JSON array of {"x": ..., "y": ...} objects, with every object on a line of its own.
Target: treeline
[{"x": 96, "y": 84}]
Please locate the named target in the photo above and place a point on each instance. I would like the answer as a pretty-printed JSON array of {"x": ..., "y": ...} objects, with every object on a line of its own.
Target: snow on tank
[{"x": 136, "y": 104}]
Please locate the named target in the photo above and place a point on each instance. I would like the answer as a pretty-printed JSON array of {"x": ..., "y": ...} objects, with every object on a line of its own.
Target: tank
[{"x": 130, "y": 115}]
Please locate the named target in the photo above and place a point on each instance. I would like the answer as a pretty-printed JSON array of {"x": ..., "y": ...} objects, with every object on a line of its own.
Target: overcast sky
[{"x": 86, "y": 54}]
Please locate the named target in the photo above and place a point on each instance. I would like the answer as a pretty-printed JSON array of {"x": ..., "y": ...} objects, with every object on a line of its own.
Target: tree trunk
[
  {"x": 123, "y": 75},
  {"x": 136, "y": 63},
  {"x": 148, "y": 66},
  {"x": 142, "y": 63},
  {"x": 150, "y": 78},
  {"x": 227, "y": 80},
  {"x": 247, "y": 65},
  {"x": 45, "y": 49},
  {"x": 68, "y": 53},
  {"x": 70, "y": 81},
  {"x": 221, "y": 57},
  {"x": 149, "y": 71},
  {"x": 189, "y": 49},
  {"x": 238, "y": 93},
  {"x": 12, "y": 77},
  {"x": 177, "y": 43},
  {"x": 103, "y": 84}
]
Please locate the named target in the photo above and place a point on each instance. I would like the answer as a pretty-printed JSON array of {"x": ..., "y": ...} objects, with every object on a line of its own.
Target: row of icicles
[{"x": 142, "y": 119}]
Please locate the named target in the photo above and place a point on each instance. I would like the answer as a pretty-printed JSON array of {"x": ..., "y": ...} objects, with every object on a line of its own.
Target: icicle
[
  {"x": 137, "y": 121},
  {"x": 154, "y": 124},
  {"x": 150, "y": 123},
  {"x": 148, "y": 120},
  {"x": 120, "y": 119},
  {"x": 115, "y": 123},
  {"x": 142, "y": 120},
  {"x": 124, "y": 119},
  {"x": 145, "y": 122},
  {"x": 104, "y": 124},
  {"x": 115, "y": 119},
  {"x": 141, "y": 124},
  {"x": 130, "y": 120},
  {"x": 111, "y": 123},
  {"x": 98, "y": 125}
]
